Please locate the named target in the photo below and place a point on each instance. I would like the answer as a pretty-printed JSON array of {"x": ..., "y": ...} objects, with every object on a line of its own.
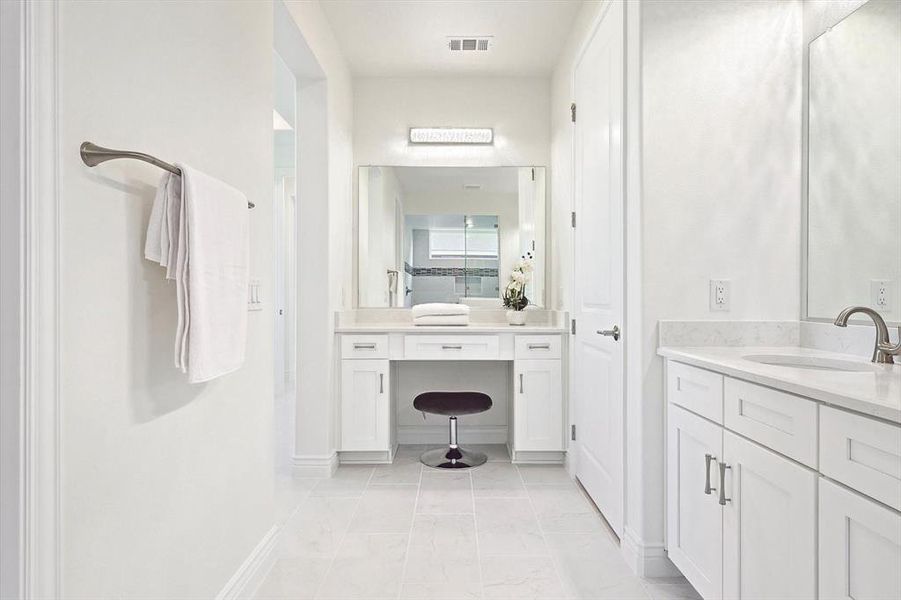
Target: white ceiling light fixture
[{"x": 452, "y": 135}]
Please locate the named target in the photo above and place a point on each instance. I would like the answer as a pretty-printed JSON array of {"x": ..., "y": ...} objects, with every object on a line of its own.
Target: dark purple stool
[{"x": 453, "y": 405}]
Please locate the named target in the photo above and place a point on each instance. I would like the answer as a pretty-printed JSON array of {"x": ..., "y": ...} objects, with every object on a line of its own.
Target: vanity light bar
[{"x": 451, "y": 135}]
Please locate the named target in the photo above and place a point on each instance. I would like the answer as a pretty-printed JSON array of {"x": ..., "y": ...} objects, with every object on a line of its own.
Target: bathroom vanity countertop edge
[
  {"x": 450, "y": 329},
  {"x": 877, "y": 394}
]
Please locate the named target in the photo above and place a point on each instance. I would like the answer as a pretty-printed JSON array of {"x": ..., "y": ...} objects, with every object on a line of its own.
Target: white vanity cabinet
[
  {"x": 370, "y": 379},
  {"x": 694, "y": 516},
  {"x": 538, "y": 405},
  {"x": 365, "y": 405},
  {"x": 750, "y": 511}
]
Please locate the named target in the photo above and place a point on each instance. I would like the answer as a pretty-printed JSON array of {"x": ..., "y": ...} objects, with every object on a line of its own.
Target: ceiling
[
  {"x": 450, "y": 180},
  {"x": 381, "y": 38}
]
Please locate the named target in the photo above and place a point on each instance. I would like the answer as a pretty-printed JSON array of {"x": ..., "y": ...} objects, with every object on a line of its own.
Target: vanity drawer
[
  {"x": 451, "y": 347},
  {"x": 862, "y": 453},
  {"x": 364, "y": 346},
  {"x": 783, "y": 422},
  {"x": 536, "y": 346},
  {"x": 697, "y": 390}
]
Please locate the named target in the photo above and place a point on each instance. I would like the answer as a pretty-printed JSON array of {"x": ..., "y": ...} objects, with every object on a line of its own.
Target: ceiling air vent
[{"x": 469, "y": 44}]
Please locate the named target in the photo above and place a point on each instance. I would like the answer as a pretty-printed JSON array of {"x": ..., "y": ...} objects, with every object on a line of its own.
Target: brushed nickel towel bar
[{"x": 92, "y": 155}]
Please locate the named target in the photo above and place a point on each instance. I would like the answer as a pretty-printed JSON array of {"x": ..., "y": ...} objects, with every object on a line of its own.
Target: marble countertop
[
  {"x": 876, "y": 393},
  {"x": 472, "y": 328}
]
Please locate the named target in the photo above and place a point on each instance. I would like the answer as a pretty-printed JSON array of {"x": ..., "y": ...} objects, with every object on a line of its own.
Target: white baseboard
[
  {"x": 314, "y": 466},
  {"x": 646, "y": 560},
  {"x": 250, "y": 575},
  {"x": 538, "y": 457},
  {"x": 362, "y": 457},
  {"x": 437, "y": 434}
]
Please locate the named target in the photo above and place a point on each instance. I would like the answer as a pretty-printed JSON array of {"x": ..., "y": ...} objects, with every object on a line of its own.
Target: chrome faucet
[{"x": 884, "y": 349}]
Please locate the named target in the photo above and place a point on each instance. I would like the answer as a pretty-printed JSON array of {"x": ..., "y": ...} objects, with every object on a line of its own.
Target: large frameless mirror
[
  {"x": 448, "y": 234},
  {"x": 854, "y": 164}
]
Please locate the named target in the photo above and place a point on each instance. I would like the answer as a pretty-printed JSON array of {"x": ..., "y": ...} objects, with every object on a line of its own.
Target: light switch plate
[
  {"x": 719, "y": 295},
  {"x": 254, "y": 295}
]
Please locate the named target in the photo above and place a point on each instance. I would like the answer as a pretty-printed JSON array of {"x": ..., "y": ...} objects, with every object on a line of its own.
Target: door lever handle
[{"x": 614, "y": 333}]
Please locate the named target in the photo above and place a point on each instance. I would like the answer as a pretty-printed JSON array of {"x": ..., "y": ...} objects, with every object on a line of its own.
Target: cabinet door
[
  {"x": 365, "y": 405},
  {"x": 538, "y": 405},
  {"x": 860, "y": 547},
  {"x": 694, "y": 517},
  {"x": 769, "y": 524}
]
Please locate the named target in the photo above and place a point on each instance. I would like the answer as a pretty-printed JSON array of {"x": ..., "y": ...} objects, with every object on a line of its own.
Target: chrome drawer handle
[
  {"x": 723, "y": 499},
  {"x": 451, "y": 347},
  {"x": 364, "y": 346},
  {"x": 381, "y": 383},
  {"x": 708, "y": 458},
  {"x": 520, "y": 383},
  {"x": 614, "y": 333},
  {"x": 539, "y": 346}
]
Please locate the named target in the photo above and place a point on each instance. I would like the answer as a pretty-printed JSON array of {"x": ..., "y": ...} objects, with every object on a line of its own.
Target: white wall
[
  {"x": 325, "y": 113},
  {"x": 166, "y": 487},
  {"x": 10, "y": 307},
  {"x": 721, "y": 172}
]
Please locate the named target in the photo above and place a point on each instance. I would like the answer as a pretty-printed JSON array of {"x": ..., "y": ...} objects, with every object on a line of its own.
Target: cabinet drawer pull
[
  {"x": 451, "y": 347},
  {"x": 381, "y": 383},
  {"x": 520, "y": 383},
  {"x": 364, "y": 346},
  {"x": 723, "y": 499},
  {"x": 708, "y": 458},
  {"x": 539, "y": 346}
]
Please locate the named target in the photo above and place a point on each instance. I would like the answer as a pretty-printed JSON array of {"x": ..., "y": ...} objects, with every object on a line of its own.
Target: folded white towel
[
  {"x": 436, "y": 309},
  {"x": 199, "y": 231},
  {"x": 441, "y": 320}
]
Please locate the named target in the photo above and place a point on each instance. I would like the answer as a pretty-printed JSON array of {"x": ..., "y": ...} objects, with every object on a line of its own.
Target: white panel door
[
  {"x": 694, "y": 518},
  {"x": 538, "y": 405},
  {"x": 769, "y": 524},
  {"x": 598, "y": 255},
  {"x": 365, "y": 405},
  {"x": 859, "y": 547}
]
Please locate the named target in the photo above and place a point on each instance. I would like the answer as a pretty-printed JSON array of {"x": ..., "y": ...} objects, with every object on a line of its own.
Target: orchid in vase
[{"x": 515, "y": 292}]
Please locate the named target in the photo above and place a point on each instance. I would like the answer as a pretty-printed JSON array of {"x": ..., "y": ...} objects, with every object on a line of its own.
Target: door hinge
[
  {"x": 573, "y": 327},
  {"x": 572, "y": 111},
  {"x": 572, "y": 432},
  {"x": 573, "y": 219},
  {"x": 533, "y": 173}
]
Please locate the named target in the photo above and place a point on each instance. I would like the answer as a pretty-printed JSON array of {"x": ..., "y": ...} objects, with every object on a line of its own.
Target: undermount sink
[{"x": 814, "y": 363}]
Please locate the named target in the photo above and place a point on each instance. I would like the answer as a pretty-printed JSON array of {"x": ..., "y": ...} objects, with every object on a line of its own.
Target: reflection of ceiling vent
[{"x": 469, "y": 44}]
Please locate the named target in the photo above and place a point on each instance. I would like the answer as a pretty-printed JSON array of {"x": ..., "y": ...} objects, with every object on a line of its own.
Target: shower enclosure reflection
[{"x": 447, "y": 234}]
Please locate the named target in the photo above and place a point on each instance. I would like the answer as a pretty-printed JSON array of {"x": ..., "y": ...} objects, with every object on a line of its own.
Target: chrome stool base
[{"x": 452, "y": 458}]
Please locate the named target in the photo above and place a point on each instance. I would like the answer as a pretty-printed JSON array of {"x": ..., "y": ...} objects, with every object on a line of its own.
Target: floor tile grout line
[
  {"x": 331, "y": 564},
  {"x": 475, "y": 526},
  {"x": 403, "y": 572},
  {"x": 563, "y": 589}
]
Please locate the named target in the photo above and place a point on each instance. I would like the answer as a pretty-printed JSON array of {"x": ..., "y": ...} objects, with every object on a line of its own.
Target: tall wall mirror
[
  {"x": 854, "y": 164},
  {"x": 448, "y": 234}
]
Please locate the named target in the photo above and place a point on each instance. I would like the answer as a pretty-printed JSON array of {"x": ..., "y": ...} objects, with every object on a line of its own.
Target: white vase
[{"x": 516, "y": 317}]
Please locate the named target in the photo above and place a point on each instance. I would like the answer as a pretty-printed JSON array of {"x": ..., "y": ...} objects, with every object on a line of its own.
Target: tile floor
[{"x": 404, "y": 531}]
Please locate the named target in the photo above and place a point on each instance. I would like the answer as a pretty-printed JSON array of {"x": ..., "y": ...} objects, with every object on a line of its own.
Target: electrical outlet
[
  {"x": 719, "y": 295},
  {"x": 881, "y": 294}
]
